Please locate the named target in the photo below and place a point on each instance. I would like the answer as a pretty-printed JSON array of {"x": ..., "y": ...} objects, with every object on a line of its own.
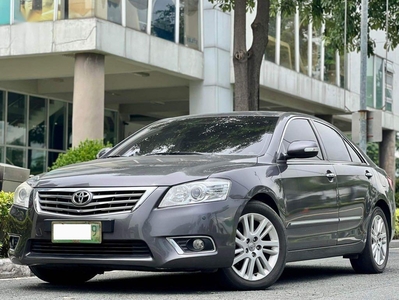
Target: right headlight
[
  {"x": 22, "y": 194},
  {"x": 197, "y": 192}
]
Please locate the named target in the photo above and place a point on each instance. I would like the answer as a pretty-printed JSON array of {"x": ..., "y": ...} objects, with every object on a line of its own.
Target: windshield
[{"x": 224, "y": 135}]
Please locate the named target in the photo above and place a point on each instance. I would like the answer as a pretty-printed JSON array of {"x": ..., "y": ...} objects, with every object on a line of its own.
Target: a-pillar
[
  {"x": 214, "y": 93},
  {"x": 88, "y": 98},
  {"x": 387, "y": 152}
]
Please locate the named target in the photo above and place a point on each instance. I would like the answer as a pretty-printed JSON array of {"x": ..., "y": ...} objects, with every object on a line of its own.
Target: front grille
[
  {"x": 105, "y": 201},
  {"x": 132, "y": 248}
]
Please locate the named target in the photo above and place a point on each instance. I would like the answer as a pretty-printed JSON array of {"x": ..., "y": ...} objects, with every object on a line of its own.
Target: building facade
[{"x": 77, "y": 69}]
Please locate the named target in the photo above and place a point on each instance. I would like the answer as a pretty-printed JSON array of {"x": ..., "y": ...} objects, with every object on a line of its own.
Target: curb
[{"x": 10, "y": 270}]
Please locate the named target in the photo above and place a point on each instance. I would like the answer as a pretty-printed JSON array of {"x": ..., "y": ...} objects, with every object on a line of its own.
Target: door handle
[
  {"x": 330, "y": 175},
  {"x": 368, "y": 174}
]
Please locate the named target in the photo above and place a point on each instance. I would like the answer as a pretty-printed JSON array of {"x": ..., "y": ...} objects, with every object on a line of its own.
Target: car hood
[{"x": 143, "y": 170}]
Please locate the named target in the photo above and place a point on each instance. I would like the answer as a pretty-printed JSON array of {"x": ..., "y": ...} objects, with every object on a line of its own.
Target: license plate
[{"x": 76, "y": 232}]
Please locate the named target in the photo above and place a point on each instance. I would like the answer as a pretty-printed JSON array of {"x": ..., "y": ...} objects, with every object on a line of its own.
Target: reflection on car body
[{"x": 240, "y": 193}]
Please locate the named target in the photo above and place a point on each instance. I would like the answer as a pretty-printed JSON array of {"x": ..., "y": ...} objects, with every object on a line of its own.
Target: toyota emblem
[{"x": 81, "y": 198}]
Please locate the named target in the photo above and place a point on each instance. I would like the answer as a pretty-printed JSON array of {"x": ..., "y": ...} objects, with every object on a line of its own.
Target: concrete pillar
[
  {"x": 387, "y": 152},
  {"x": 88, "y": 98},
  {"x": 215, "y": 93}
]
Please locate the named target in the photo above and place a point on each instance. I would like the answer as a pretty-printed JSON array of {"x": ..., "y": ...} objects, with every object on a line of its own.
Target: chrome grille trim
[{"x": 58, "y": 201}]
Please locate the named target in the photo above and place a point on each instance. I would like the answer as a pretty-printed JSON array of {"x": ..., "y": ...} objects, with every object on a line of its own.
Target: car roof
[{"x": 277, "y": 114}]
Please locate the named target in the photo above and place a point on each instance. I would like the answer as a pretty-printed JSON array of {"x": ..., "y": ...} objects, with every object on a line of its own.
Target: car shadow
[{"x": 187, "y": 283}]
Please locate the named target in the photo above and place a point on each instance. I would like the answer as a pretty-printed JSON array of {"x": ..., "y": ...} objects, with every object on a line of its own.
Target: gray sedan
[{"x": 239, "y": 194}]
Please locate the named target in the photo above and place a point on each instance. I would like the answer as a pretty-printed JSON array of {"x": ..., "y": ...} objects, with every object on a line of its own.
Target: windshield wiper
[{"x": 174, "y": 153}]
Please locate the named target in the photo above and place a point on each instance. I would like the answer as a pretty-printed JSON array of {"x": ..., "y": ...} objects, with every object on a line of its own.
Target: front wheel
[
  {"x": 260, "y": 250},
  {"x": 374, "y": 257},
  {"x": 62, "y": 275}
]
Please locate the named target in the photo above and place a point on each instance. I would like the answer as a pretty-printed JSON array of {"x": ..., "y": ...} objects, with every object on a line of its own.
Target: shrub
[
  {"x": 85, "y": 151},
  {"x": 6, "y": 200}
]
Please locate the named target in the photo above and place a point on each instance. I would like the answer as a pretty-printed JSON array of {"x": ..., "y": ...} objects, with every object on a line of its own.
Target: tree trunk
[
  {"x": 240, "y": 57},
  {"x": 260, "y": 30},
  {"x": 247, "y": 64}
]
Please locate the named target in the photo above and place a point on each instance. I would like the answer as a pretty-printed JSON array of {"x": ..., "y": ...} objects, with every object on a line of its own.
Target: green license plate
[{"x": 76, "y": 232}]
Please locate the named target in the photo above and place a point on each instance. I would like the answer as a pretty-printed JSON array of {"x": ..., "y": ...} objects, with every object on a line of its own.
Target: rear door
[
  {"x": 310, "y": 193},
  {"x": 354, "y": 179}
]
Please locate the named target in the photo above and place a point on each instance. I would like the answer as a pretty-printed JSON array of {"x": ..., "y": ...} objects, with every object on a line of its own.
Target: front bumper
[{"x": 141, "y": 240}]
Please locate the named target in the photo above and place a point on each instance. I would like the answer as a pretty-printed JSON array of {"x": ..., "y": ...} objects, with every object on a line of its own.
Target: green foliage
[
  {"x": 6, "y": 200},
  {"x": 373, "y": 152},
  {"x": 85, "y": 151},
  {"x": 332, "y": 13},
  {"x": 397, "y": 192}
]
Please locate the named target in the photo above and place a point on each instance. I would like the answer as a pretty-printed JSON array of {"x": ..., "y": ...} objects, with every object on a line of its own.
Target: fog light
[{"x": 198, "y": 244}]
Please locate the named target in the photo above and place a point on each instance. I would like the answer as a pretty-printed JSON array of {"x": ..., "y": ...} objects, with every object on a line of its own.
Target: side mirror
[
  {"x": 302, "y": 149},
  {"x": 102, "y": 152}
]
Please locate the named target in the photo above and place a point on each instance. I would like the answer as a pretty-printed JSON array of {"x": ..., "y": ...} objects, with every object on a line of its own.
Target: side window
[
  {"x": 355, "y": 157},
  {"x": 333, "y": 142},
  {"x": 299, "y": 130}
]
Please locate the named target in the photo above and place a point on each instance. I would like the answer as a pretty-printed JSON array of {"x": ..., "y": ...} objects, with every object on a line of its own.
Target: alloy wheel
[
  {"x": 257, "y": 247},
  {"x": 379, "y": 240}
]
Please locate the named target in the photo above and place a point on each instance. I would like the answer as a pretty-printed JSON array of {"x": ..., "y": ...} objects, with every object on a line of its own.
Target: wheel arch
[
  {"x": 268, "y": 200},
  {"x": 385, "y": 208}
]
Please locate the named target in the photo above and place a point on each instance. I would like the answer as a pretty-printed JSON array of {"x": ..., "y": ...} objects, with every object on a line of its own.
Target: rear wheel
[
  {"x": 260, "y": 249},
  {"x": 374, "y": 257},
  {"x": 63, "y": 275}
]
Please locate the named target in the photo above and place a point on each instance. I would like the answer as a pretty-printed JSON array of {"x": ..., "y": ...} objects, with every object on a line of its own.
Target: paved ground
[{"x": 10, "y": 270}]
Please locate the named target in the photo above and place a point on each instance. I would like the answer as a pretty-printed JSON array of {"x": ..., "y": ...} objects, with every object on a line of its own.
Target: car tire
[
  {"x": 62, "y": 275},
  {"x": 260, "y": 251},
  {"x": 374, "y": 257}
]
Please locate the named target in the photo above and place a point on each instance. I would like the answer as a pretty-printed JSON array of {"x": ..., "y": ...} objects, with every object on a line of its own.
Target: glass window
[
  {"x": 299, "y": 130},
  {"x": 330, "y": 65},
  {"x": 75, "y": 9},
  {"x": 388, "y": 90},
  {"x": 2, "y": 110},
  {"x": 37, "y": 161},
  {"x": 163, "y": 19},
  {"x": 16, "y": 157},
  {"x": 37, "y": 122},
  {"x": 1, "y": 154},
  {"x": 69, "y": 125},
  {"x": 57, "y": 130},
  {"x": 333, "y": 143},
  {"x": 16, "y": 120},
  {"x": 33, "y": 10},
  {"x": 110, "y": 120},
  {"x": 317, "y": 40},
  {"x": 110, "y": 10},
  {"x": 342, "y": 60},
  {"x": 303, "y": 46},
  {"x": 136, "y": 14},
  {"x": 52, "y": 157},
  {"x": 237, "y": 135},
  {"x": 355, "y": 157},
  {"x": 379, "y": 82},
  {"x": 189, "y": 20},
  {"x": 370, "y": 81},
  {"x": 5, "y": 9},
  {"x": 270, "y": 53},
  {"x": 18, "y": 14},
  {"x": 287, "y": 43}
]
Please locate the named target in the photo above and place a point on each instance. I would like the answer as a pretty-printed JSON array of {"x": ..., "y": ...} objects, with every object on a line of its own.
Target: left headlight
[
  {"x": 22, "y": 194},
  {"x": 197, "y": 192}
]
